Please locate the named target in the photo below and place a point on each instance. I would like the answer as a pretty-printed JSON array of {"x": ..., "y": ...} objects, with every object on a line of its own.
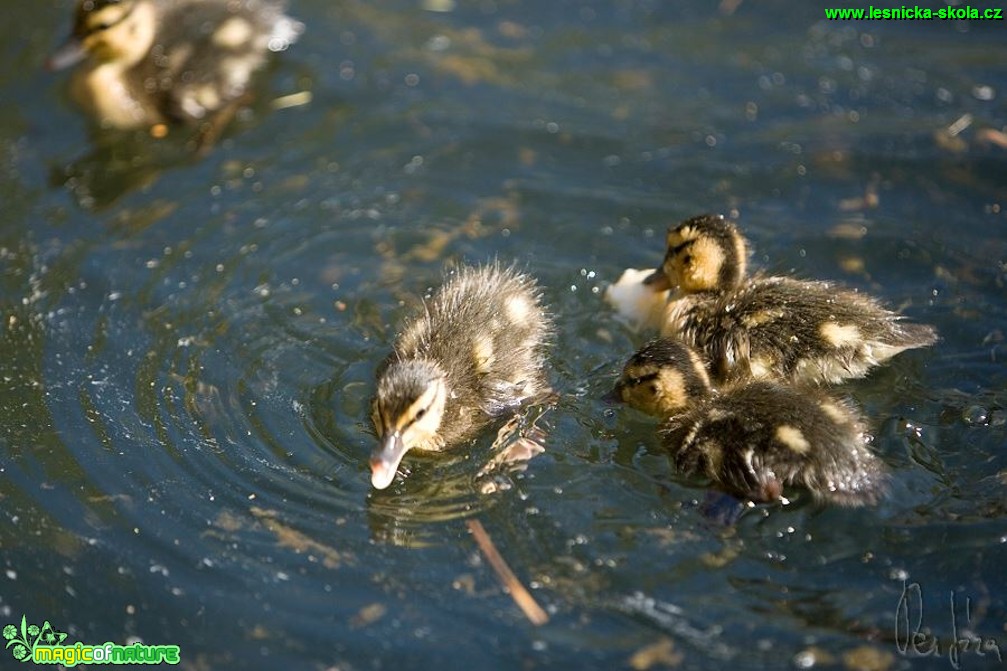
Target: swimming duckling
[
  {"x": 158, "y": 61},
  {"x": 755, "y": 438},
  {"x": 771, "y": 327},
  {"x": 475, "y": 353}
]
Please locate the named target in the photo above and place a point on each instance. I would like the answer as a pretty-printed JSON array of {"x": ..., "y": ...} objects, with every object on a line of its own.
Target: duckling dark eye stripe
[
  {"x": 406, "y": 425},
  {"x": 634, "y": 381},
  {"x": 105, "y": 26},
  {"x": 102, "y": 4},
  {"x": 676, "y": 250}
]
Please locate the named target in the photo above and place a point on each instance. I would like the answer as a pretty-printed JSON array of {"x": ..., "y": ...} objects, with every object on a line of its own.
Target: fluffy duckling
[
  {"x": 752, "y": 439},
  {"x": 148, "y": 62},
  {"x": 771, "y": 327},
  {"x": 475, "y": 353}
]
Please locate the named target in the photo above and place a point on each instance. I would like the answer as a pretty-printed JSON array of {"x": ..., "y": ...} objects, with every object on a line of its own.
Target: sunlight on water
[{"x": 189, "y": 342}]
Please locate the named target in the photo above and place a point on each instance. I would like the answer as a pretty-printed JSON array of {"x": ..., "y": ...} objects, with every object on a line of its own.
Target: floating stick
[{"x": 524, "y": 599}]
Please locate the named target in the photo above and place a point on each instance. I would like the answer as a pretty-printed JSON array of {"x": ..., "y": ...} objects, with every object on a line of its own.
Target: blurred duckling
[
  {"x": 148, "y": 62},
  {"x": 771, "y": 327},
  {"x": 753, "y": 439},
  {"x": 475, "y": 353}
]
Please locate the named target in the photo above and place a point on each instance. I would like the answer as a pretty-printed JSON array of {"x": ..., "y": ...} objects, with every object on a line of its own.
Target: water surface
[{"x": 188, "y": 346}]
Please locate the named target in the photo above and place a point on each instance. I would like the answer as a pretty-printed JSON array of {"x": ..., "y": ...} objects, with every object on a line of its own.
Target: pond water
[{"x": 187, "y": 345}]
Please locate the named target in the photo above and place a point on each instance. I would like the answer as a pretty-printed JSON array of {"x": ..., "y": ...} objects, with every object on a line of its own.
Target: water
[{"x": 188, "y": 345}]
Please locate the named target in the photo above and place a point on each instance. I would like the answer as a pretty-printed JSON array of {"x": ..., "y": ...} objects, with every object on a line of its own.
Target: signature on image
[{"x": 914, "y": 638}]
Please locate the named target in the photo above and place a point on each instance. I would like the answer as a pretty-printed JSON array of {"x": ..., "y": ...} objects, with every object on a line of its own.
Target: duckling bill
[
  {"x": 754, "y": 439},
  {"x": 475, "y": 353},
  {"x": 145, "y": 62},
  {"x": 771, "y": 327}
]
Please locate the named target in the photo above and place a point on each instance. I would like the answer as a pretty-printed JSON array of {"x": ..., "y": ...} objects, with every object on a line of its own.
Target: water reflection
[
  {"x": 188, "y": 346},
  {"x": 459, "y": 483},
  {"x": 117, "y": 164}
]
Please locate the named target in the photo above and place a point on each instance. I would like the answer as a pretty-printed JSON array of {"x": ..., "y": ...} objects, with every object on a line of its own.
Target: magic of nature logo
[{"x": 44, "y": 645}]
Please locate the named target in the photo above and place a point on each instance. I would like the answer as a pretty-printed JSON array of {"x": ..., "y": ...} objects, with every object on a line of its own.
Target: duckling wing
[
  {"x": 719, "y": 445},
  {"x": 813, "y": 440},
  {"x": 502, "y": 395}
]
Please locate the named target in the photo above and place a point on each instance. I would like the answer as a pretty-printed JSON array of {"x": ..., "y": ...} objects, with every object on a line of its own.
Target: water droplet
[
  {"x": 805, "y": 659},
  {"x": 984, "y": 92},
  {"x": 438, "y": 5},
  {"x": 976, "y": 415},
  {"x": 439, "y": 43}
]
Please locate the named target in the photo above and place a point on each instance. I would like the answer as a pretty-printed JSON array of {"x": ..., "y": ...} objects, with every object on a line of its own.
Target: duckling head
[
  {"x": 705, "y": 253},
  {"x": 662, "y": 378},
  {"x": 407, "y": 413},
  {"x": 110, "y": 31}
]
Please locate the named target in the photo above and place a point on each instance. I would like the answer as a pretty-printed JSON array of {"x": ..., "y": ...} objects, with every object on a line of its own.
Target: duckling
[
  {"x": 150, "y": 62},
  {"x": 475, "y": 353},
  {"x": 771, "y": 327},
  {"x": 753, "y": 438}
]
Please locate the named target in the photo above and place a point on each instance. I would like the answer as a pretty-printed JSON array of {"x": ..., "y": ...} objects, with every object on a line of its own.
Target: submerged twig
[{"x": 523, "y": 598}]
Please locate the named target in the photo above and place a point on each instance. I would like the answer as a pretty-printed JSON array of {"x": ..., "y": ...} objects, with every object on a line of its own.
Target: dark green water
[{"x": 187, "y": 347}]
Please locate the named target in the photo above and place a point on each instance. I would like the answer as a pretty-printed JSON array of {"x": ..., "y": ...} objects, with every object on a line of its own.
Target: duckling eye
[
  {"x": 99, "y": 27},
  {"x": 687, "y": 259},
  {"x": 419, "y": 414}
]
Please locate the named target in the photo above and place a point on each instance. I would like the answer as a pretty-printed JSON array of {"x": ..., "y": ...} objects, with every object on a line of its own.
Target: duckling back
[
  {"x": 207, "y": 53},
  {"x": 486, "y": 329},
  {"x": 786, "y": 329},
  {"x": 759, "y": 439}
]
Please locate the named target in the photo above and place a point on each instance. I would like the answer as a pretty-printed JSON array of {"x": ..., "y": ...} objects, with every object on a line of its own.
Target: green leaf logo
[
  {"x": 22, "y": 641},
  {"x": 49, "y": 636}
]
